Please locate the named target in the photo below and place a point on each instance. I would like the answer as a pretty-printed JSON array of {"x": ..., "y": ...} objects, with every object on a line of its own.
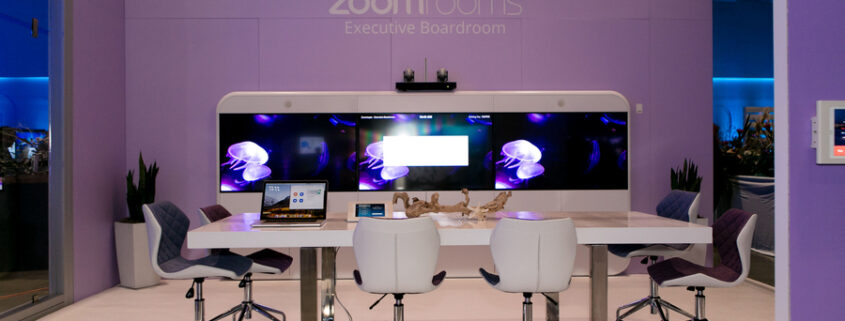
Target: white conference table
[{"x": 595, "y": 229}]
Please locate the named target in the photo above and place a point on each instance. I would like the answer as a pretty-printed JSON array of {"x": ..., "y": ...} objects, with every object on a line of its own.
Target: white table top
[{"x": 591, "y": 228}]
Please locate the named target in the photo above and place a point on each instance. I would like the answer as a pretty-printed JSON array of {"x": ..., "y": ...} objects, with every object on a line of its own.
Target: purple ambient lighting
[{"x": 525, "y": 215}]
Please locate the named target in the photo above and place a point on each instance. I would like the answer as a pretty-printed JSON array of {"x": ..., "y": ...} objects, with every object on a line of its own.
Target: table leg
[
  {"x": 552, "y": 310},
  {"x": 308, "y": 304},
  {"x": 329, "y": 279},
  {"x": 598, "y": 282}
]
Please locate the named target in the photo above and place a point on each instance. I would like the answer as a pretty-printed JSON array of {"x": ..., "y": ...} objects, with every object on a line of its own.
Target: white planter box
[
  {"x": 756, "y": 194},
  {"x": 133, "y": 256}
]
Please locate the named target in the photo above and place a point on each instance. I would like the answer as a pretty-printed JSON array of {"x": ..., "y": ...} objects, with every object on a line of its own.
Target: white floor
[{"x": 456, "y": 299}]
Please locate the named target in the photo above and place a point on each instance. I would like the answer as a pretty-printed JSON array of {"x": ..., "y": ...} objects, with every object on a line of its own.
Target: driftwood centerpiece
[{"x": 416, "y": 207}]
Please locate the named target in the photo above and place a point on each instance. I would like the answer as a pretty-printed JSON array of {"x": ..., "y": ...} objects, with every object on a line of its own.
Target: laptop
[{"x": 288, "y": 203}]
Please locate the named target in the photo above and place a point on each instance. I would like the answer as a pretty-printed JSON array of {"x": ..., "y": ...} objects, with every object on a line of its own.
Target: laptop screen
[{"x": 294, "y": 200}]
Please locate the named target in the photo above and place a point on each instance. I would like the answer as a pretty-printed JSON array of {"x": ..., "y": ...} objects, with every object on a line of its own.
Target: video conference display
[
  {"x": 426, "y": 151},
  {"x": 561, "y": 150},
  {"x": 255, "y": 147}
]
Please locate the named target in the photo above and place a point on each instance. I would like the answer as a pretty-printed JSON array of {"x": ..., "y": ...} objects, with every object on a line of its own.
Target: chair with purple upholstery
[
  {"x": 678, "y": 205},
  {"x": 732, "y": 235},
  {"x": 264, "y": 261}
]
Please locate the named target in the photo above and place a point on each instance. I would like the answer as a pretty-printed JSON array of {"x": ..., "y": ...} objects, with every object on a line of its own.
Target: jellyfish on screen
[
  {"x": 525, "y": 157},
  {"x": 250, "y": 158}
]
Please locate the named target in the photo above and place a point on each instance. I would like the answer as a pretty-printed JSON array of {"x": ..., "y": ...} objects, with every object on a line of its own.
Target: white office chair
[
  {"x": 167, "y": 227},
  {"x": 396, "y": 257},
  {"x": 532, "y": 257}
]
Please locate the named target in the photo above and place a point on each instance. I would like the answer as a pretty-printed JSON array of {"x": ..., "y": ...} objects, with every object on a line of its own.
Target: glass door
[{"x": 28, "y": 231}]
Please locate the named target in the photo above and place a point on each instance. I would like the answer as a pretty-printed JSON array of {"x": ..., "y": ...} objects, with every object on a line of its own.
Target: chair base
[
  {"x": 246, "y": 308},
  {"x": 247, "y": 305},
  {"x": 655, "y": 303}
]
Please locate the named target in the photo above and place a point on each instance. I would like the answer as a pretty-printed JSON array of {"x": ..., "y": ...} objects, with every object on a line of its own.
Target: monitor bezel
[
  {"x": 825, "y": 110},
  {"x": 459, "y": 101}
]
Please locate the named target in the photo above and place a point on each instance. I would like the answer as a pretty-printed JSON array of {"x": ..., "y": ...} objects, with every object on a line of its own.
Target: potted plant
[
  {"x": 686, "y": 177},
  {"x": 24, "y": 175},
  {"x": 746, "y": 166},
  {"x": 133, "y": 254}
]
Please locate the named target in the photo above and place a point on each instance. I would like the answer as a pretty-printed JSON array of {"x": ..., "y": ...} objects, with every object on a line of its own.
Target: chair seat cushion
[
  {"x": 676, "y": 268},
  {"x": 271, "y": 258},
  {"x": 234, "y": 263}
]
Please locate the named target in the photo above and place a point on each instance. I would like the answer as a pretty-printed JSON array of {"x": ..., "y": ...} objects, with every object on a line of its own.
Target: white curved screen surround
[{"x": 465, "y": 101}]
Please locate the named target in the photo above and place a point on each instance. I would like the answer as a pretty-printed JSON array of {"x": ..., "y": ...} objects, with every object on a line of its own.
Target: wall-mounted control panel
[{"x": 830, "y": 122}]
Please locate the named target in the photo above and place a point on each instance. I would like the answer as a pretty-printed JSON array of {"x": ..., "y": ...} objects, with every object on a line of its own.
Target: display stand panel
[{"x": 470, "y": 103}]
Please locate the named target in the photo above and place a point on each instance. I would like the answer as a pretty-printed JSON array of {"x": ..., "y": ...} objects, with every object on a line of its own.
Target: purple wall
[
  {"x": 151, "y": 81},
  {"x": 98, "y": 142},
  {"x": 181, "y": 58},
  {"x": 817, "y": 203}
]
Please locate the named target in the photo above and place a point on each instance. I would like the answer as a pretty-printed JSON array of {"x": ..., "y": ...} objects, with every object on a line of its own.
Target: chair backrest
[
  {"x": 679, "y": 205},
  {"x": 396, "y": 256},
  {"x": 167, "y": 227},
  {"x": 212, "y": 213},
  {"x": 533, "y": 256},
  {"x": 732, "y": 235}
]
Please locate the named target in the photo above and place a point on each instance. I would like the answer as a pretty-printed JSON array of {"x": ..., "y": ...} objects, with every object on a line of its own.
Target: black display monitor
[
  {"x": 572, "y": 150},
  {"x": 425, "y": 151},
  {"x": 256, "y": 147}
]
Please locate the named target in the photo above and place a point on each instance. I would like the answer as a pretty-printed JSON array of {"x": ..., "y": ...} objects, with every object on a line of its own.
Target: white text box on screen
[{"x": 426, "y": 150}]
